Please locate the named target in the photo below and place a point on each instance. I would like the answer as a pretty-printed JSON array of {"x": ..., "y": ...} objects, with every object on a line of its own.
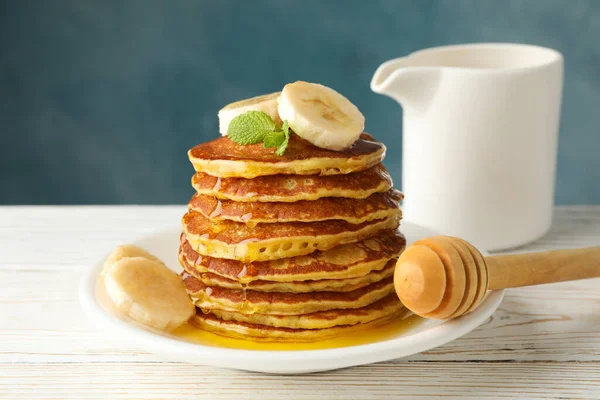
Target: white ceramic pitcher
[{"x": 479, "y": 138}]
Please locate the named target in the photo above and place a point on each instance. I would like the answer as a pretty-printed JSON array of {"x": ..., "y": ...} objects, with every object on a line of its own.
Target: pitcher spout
[{"x": 411, "y": 86}]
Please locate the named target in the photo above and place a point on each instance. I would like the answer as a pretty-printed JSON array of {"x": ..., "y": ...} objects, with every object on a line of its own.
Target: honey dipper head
[{"x": 441, "y": 277}]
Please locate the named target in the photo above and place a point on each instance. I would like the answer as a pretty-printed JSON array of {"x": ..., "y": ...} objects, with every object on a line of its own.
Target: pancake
[
  {"x": 263, "y": 333},
  {"x": 238, "y": 241},
  {"x": 322, "y": 319},
  {"x": 291, "y": 188},
  {"x": 330, "y": 285},
  {"x": 341, "y": 262},
  {"x": 222, "y": 157},
  {"x": 354, "y": 211},
  {"x": 277, "y": 303}
]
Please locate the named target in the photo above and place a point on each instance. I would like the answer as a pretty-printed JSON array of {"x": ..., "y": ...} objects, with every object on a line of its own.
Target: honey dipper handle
[{"x": 543, "y": 267}]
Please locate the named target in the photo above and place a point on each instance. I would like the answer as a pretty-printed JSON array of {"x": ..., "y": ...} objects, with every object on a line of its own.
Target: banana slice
[
  {"x": 124, "y": 251},
  {"x": 320, "y": 115},
  {"x": 149, "y": 292},
  {"x": 266, "y": 103}
]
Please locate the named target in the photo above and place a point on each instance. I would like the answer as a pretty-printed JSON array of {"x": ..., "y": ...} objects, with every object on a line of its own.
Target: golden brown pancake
[
  {"x": 277, "y": 303},
  {"x": 307, "y": 286},
  {"x": 384, "y": 307},
  {"x": 341, "y": 262},
  {"x": 263, "y": 333},
  {"x": 238, "y": 241},
  {"x": 290, "y": 188},
  {"x": 222, "y": 157},
  {"x": 354, "y": 211}
]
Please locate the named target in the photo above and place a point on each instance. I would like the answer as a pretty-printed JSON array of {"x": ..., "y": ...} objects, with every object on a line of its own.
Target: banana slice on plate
[
  {"x": 320, "y": 115},
  {"x": 124, "y": 251},
  {"x": 149, "y": 292},
  {"x": 266, "y": 103}
]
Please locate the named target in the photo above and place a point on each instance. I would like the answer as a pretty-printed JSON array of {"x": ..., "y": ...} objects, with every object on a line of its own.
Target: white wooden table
[{"x": 543, "y": 342}]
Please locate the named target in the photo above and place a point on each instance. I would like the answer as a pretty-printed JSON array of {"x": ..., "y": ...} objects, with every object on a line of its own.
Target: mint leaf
[
  {"x": 250, "y": 128},
  {"x": 283, "y": 146},
  {"x": 285, "y": 127},
  {"x": 255, "y": 127},
  {"x": 274, "y": 139}
]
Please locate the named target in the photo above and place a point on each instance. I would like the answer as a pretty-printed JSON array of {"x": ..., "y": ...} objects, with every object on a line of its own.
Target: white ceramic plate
[{"x": 164, "y": 244}]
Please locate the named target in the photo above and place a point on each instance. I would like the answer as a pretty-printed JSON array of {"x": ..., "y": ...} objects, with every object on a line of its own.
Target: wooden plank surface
[
  {"x": 384, "y": 380},
  {"x": 543, "y": 342}
]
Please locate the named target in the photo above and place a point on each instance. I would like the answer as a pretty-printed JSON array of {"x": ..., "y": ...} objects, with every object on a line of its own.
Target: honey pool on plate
[{"x": 387, "y": 331}]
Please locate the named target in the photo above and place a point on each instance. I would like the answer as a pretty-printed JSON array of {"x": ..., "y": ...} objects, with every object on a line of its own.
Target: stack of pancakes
[{"x": 297, "y": 247}]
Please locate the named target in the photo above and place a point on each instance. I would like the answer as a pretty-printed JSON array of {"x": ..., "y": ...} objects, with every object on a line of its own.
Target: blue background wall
[{"x": 100, "y": 100}]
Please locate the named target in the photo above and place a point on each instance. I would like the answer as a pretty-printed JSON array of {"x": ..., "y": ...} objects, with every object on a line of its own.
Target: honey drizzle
[
  {"x": 217, "y": 185},
  {"x": 217, "y": 210},
  {"x": 246, "y": 307},
  {"x": 251, "y": 224}
]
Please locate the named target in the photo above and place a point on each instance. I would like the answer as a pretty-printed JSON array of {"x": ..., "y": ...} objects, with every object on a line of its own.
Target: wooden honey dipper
[{"x": 444, "y": 277}]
